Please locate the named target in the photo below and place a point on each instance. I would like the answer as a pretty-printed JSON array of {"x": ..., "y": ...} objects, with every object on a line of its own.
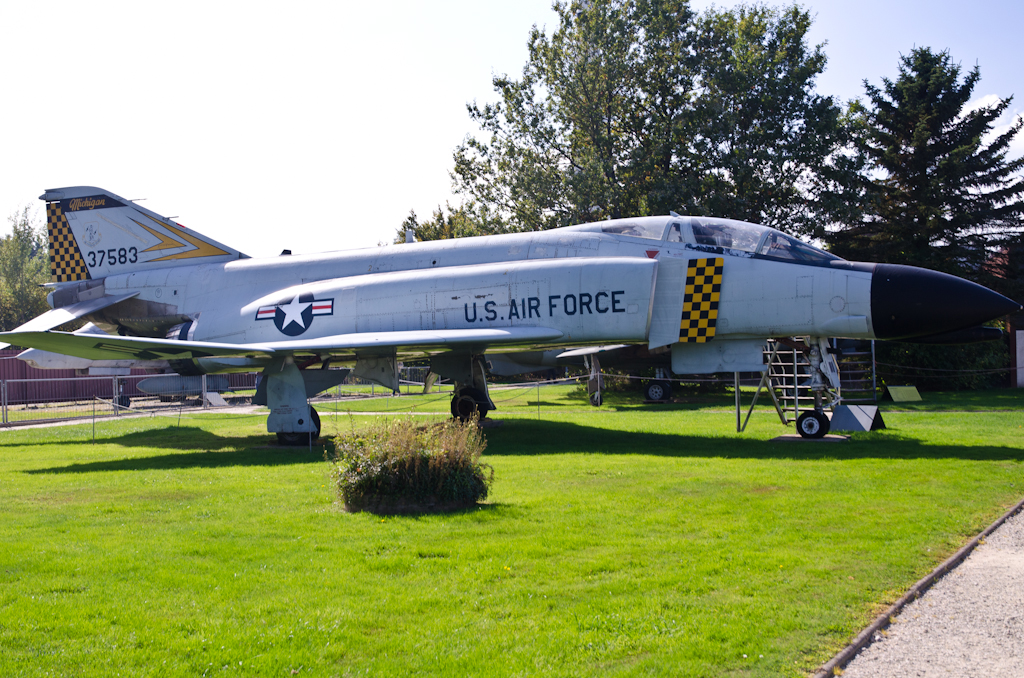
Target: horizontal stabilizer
[
  {"x": 102, "y": 347},
  {"x": 59, "y": 316}
]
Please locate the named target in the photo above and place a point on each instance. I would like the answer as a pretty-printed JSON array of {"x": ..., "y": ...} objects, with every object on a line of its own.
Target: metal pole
[
  {"x": 3, "y": 390},
  {"x": 736, "y": 388},
  {"x": 538, "y": 401},
  {"x": 205, "y": 404},
  {"x": 766, "y": 380},
  {"x": 116, "y": 400},
  {"x": 94, "y": 420}
]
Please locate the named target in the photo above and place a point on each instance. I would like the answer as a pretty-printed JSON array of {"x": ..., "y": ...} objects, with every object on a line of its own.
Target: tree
[
  {"x": 461, "y": 222},
  {"x": 635, "y": 107},
  {"x": 933, "y": 188},
  {"x": 934, "y": 192},
  {"x": 760, "y": 137},
  {"x": 24, "y": 267}
]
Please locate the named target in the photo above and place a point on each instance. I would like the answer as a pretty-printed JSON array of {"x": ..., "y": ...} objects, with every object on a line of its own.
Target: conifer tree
[{"x": 934, "y": 192}]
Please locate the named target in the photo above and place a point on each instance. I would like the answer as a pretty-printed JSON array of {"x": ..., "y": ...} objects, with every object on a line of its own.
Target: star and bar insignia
[{"x": 294, "y": 316}]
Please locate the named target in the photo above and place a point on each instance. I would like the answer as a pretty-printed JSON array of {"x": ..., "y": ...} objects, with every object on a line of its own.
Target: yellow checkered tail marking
[
  {"x": 700, "y": 303},
  {"x": 66, "y": 263}
]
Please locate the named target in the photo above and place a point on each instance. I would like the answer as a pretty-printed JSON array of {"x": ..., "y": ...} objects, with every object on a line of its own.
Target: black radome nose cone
[{"x": 907, "y": 301}]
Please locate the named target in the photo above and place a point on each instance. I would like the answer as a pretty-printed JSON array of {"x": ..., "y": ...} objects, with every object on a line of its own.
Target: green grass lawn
[{"x": 628, "y": 540}]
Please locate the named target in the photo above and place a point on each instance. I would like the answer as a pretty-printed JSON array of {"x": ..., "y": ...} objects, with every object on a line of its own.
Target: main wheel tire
[
  {"x": 466, "y": 402},
  {"x": 596, "y": 399},
  {"x": 302, "y": 438},
  {"x": 813, "y": 424},
  {"x": 658, "y": 390},
  {"x": 124, "y": 401}
]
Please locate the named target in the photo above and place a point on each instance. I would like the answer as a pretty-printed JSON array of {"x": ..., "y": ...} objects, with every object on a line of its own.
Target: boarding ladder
[{"x": 790, "y": 370}]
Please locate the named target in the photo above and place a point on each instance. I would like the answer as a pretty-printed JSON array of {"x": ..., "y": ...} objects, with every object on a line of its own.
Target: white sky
[{"x": 318, "y": 125}]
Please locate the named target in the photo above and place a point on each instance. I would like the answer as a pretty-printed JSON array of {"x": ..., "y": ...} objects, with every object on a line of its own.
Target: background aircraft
[{"x": 704, "y": 293}]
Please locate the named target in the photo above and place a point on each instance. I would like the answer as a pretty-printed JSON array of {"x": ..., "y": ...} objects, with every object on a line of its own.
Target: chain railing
[{"x": 31, "y": 401}]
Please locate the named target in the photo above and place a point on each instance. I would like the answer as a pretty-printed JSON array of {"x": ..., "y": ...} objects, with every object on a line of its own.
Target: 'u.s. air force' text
[{"x": 569, "y": 304}]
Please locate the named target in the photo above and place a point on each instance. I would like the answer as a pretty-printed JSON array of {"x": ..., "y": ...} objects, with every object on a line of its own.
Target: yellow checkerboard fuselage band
[
  {"x": 700, "y": 303},
  {"x": 66, "y": 262}
]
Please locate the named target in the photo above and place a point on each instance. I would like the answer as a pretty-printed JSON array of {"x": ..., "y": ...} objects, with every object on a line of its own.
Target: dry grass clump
[{"x": 395, "y": 466}]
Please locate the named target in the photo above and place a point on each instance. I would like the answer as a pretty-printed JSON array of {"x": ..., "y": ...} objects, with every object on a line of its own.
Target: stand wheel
[
  {"x": 812, "y": 424},
  {"x": 466, "y": 402},
  {"x": 302, "y": 438},
  {"x": 658, "y": 390}
]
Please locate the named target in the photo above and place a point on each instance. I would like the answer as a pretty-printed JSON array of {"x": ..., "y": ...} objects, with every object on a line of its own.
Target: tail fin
[{"x": 94, "y": 233}]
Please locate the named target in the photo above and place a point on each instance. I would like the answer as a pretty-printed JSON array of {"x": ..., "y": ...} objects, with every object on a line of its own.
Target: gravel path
[{"x": 970, "y": 623}]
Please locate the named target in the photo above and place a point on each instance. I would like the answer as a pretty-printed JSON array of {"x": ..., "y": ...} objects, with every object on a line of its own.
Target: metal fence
[{"x": 31, "y": 401}]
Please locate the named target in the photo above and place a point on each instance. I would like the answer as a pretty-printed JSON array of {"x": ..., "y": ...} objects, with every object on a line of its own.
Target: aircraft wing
[
  {"x": 422, "y": 339},
  {"x": 59, "y": 316},
  {"x": 107, "y": 347}
]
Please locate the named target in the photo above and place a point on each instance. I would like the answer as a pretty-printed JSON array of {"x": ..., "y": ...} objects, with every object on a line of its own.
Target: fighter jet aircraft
[{"x": 707, "y": 291}]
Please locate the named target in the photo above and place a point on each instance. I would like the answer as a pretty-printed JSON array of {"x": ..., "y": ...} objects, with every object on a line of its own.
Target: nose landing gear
[{"x": 815, "y": 423}]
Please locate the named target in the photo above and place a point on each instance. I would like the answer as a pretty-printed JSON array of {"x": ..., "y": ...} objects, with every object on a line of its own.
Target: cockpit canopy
[{"x": 728, "y": 234}]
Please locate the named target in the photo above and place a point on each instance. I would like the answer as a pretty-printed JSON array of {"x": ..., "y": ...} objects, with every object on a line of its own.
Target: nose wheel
[{"x": 813, "y": 424}]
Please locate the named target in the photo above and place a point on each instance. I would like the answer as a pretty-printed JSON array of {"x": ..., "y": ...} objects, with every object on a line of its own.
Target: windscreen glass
[
  {"x": 734, "y": 235},
  {"x": 637, "y": 229},
  {"x": 781, "y": 246}
]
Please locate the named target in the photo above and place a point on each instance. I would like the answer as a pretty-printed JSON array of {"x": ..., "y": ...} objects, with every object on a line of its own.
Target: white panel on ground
[
  {"x": 1020, "y": 358},
  {"x": 857, "y": 418},
  {"x": 215, "y": 400}
]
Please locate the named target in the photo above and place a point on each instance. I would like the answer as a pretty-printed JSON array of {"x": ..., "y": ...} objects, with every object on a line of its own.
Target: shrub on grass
[
  {"x": 963, "y": 367},
  {"x": 395, "y": 466}
]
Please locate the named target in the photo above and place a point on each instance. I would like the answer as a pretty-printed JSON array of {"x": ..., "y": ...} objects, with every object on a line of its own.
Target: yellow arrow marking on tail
[
  {"x": 165, "y": 243},
  {"x": 202, "y": 248}
]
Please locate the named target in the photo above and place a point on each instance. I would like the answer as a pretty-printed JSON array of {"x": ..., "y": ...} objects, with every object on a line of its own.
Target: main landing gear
[
  {"x": 469, "y": 372},
  {"x": 468, "y": 401},
  {"x": 302, "y": 438},
  {"x": 658, "y": 390}
]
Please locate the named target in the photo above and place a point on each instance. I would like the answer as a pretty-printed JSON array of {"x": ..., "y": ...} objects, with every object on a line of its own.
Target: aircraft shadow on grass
[
  {"x": 526, "y": 438},
  {"x": 208, "y": 450}
]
